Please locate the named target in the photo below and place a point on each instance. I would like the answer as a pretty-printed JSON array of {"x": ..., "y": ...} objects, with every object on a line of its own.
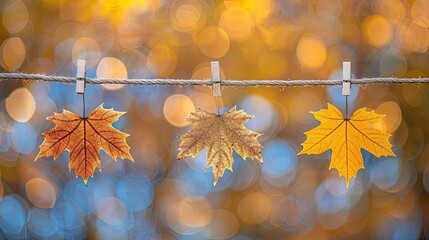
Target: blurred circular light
[
  {"x": 145, "y": 6},
  {"x": 224, "y": 225},
  {"x": 262, "y": 110},
  {"x": 393, "y": 117},
  {"x": 12, "y": 52},
  {"x": 302, "y": 104},
  {"x": 15, "y": 16},
  {"x": 41, "y": 192},
  {"x": 20, "y": 105},
  {"x": 272, "y": 65},
  {"x": 136, "y": 193},
  {"x": 385, "y": 173},
  {"x": 417, "y": 38},
  {"x": 161, "y": 61},
  {"x": 110, "y": 67},
  {"x": 188, "y": 216},
  {"x": 419, "y": 13},
  {"x": 237, "y": 23},
  {"x": 392, "y": 9},
  {"x": 185, "y": 15},
  {"x": 43, "y": 223},
  {"x": 311, "y": 52},
  {"x": 214, "y": 42},
  {"x": 194, "y": 184},
  {"x": 112, "y": 3},
  {"x": 203, "y": 100},
  {"x": 279, "y": 159},
  {"x": 255, "y": 208},
  {"x": 88, "y": 49},
  {"x": 111, "y": 210},
  {"x": 376, "y": 30},
  {"x": 13, "y": 214},
  {"x": 393, "y": 62},
  {"x": 23, "y": 137},
  {"x": 177, "y": 108}
]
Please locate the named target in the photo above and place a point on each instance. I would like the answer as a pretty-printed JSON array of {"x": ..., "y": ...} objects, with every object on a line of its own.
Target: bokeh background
[{"x": 158, "y": 197}]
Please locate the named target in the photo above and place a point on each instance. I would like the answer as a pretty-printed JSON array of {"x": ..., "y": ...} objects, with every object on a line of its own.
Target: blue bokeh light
[
  {"x": 136, "y": 192},
  {"x": 13, "y": 214},
  {"x": 42, "y": 223},
  {"x": 23, "y": 137}
]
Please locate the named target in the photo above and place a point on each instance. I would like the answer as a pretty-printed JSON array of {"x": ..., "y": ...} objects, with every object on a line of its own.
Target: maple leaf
[
  {"x": 220, "y": 134},
  {"x": 83, "y": 138},
  {"x": 346, "y": 137}
]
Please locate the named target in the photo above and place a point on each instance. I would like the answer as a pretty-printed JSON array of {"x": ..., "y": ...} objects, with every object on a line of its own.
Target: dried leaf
[
  {"x": 220, "y": 134},
  {"x": 83, "y": 138},
  {"x": 346, "y": 137}
]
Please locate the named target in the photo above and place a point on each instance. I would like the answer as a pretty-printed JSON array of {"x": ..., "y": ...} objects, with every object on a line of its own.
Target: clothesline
[{"x": 186, "y": 82}]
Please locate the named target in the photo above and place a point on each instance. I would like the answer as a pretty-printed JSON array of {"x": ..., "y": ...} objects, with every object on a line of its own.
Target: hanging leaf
[
  {"x": 83, "y": 138},
  {"x": 346, "y": 137},
  {"x": 220, "y": 134}
]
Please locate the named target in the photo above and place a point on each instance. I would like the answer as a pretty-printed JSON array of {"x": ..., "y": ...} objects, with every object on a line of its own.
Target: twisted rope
[{"x": 185, "y": 82}]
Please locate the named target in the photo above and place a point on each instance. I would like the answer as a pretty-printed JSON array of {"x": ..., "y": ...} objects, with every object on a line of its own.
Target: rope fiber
[{"x": 185, "y": 82}]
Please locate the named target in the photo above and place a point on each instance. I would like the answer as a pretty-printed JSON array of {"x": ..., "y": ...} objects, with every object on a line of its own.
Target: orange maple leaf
[
  {"x": 346, "y": 137},
  {"x": 220, "y": 134},
  {"x": 83, "y": 138}
]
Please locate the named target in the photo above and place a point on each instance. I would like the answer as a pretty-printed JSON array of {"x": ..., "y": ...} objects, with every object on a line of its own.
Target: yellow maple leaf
[
  {"x": 220, "y": 134},
  {"x": 83, "y": 138},
  {"x": 346, "y": 137}
]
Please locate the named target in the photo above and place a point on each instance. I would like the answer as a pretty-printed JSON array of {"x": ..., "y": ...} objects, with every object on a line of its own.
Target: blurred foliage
[{"x": 160, "y": 198}]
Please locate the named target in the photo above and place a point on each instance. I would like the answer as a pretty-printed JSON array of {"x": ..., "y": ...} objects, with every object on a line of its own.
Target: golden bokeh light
[
  {"x": 311, "y": 52},
  {"x": 272, "y": 65},
  {"x": 15, "y": 16},
  {"x": 255, "y": 208},
  {"x": 376, "y": 30},
  {"x": 111, "y": 210},
  {"x": 417, "y": 38},
  {"x": 214, "y": 42},
  {"x": 177, "y": 108},
  {"x": 280, "y": 36},
  {"x": 88, "y": 49},
  {"x": 41, "y": 192},
  {"x": 13, "y": 53},
  {"x": 237, "y": 23},
  {"x": 112, "y": 3},
  {"x": 20, "y": 105},
  {"x": 110, "y": 67},
  {"x": 186, "y": 15},
  {"x": 260, "y": 10},
  {"x": 224, "y": 225},
  {"x": 301, "y": 104},
  {"x": 415, "y": 95},
  {"x": 391, "y": 9},
  {"x": 189, "y": 216},
  {"x": 393, "y": 117},
  {"x": 420, "y": 13},
  {"x": 161, "y": 61},
  {"x": 145, "y": 5},
  {"x": 203, "y": 100}
]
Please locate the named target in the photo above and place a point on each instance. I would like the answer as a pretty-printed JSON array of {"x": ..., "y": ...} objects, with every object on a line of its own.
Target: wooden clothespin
[
  {"x": 216, "y": 79},
  {"x": 80, "y": 75},
  {"x": 346, "y": 78}
]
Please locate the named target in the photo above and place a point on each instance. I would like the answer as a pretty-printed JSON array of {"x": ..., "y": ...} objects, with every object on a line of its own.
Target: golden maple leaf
[
  {"x": 346, "y": 137},
  {"x": 220, "y": 134},
  {"x": 83, "y": 138}
]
